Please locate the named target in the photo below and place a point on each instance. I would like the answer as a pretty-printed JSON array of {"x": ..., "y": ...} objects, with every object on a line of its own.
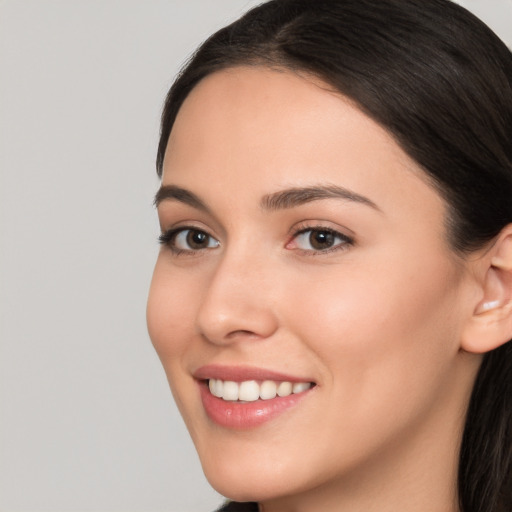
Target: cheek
[
  {"x": 386, "y": 344},
  {"x": 171, "y": 323},
  {"x": 403, "y": 296},
  {"x": 170, "y": 315},
  {"x": 381, "y": 331}
]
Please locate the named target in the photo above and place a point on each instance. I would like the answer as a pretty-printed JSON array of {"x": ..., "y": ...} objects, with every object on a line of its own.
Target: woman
[{"x": 332, "y": 301}]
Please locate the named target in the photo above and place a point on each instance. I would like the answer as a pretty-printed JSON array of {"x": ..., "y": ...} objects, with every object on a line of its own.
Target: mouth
[
  {"x": 252, "y": 390},
  {"x": 244, "y": 397}
]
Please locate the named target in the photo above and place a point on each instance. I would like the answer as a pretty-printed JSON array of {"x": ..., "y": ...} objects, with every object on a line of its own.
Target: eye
[
  {"x": 188, "y": 240},
  {"x": 319, "y": 239}
]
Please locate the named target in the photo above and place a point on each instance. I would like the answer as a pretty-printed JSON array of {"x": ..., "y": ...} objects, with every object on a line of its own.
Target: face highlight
[{"x": 306, "y": 305}]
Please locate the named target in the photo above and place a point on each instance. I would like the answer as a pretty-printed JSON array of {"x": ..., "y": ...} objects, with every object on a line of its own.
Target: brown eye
[
  {"x": 197, "y": 239},
  {"x": 193, "y": 240},
  {"x": 320, "y": 240}
]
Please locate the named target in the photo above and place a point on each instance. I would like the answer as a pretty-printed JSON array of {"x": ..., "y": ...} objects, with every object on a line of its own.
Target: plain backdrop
[{"x": 86, "y": 418}]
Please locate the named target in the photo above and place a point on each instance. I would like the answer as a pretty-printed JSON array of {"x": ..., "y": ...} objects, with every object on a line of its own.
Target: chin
[
  {"x": 242, "y": 488},
  {"x": 244, "y": 475},
  {"x": 246, "y": 478}
]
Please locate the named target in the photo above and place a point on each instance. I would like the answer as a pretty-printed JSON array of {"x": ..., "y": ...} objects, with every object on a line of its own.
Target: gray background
[{"x": 86, "y": 418}]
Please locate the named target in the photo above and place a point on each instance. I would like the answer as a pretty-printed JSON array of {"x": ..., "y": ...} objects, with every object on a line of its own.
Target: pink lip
[
  {"x": 241, "y": 373},
  {"x": 244, "y": 415}
]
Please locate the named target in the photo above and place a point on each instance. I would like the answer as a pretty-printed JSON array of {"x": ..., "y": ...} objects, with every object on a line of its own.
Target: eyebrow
[
  {"x": 281, "y": 200},
  {"x": 292, "y": 197},
  {"x": 181, "y": 195}
]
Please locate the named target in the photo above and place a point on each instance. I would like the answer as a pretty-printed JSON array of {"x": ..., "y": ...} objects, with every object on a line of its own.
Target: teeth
[
  {"x": 268, "y": 390},
  {"x": 251, "y": 390},
  {"x": 299, "y": 387},
  {"x": 230, "y": 390},
  {"x": 216, "y": 387},
  {"x": 284, "y": 389}
]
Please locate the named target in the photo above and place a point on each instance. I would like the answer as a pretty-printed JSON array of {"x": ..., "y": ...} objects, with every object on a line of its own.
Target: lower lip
[{"x": 246, "y": 415}]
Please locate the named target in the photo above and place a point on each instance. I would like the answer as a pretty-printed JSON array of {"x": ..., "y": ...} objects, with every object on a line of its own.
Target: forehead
[
  {"x": 257, "y": 103},
  {"x": 263, "y": 129}
]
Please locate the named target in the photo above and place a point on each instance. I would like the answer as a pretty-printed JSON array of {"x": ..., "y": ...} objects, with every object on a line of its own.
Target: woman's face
[{"x": 302, "y": 246}]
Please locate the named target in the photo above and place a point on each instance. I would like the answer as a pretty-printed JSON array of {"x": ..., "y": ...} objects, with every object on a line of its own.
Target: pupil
[
  {"x": 196, "y": 239},
  {"x": 321, "y": 239}
]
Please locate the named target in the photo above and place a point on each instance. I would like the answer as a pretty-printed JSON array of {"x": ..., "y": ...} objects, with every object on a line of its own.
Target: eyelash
[
  {"x": 345, "y": 243},
  {"x": 168, "y": 239}
]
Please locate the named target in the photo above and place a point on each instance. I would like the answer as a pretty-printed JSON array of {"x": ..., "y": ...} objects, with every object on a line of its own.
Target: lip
[
  {"x": 241, "y": 373},
  {"x": 245, "y": 415}
]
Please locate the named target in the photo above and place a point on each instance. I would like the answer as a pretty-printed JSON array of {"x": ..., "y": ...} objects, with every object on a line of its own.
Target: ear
[{"x": 491, "y": 323}]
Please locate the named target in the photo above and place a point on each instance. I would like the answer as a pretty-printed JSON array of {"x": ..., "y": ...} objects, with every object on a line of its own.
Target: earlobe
[{"x": 491, "y": 323}]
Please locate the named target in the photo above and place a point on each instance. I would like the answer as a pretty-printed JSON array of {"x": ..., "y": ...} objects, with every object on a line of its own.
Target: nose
[{"x": 238, "y": 302}]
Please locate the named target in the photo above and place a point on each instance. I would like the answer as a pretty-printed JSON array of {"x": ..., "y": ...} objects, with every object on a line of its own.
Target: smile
[
  {"x": 245, "y": 397},
  {"x": 252, "y": 390}
]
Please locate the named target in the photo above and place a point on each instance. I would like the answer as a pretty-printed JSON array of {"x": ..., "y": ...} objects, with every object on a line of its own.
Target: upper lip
[{"x": 242, "y": 373}]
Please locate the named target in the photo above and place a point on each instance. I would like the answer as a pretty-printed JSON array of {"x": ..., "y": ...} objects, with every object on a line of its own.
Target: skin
[{"x": 375, "y": 323}]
